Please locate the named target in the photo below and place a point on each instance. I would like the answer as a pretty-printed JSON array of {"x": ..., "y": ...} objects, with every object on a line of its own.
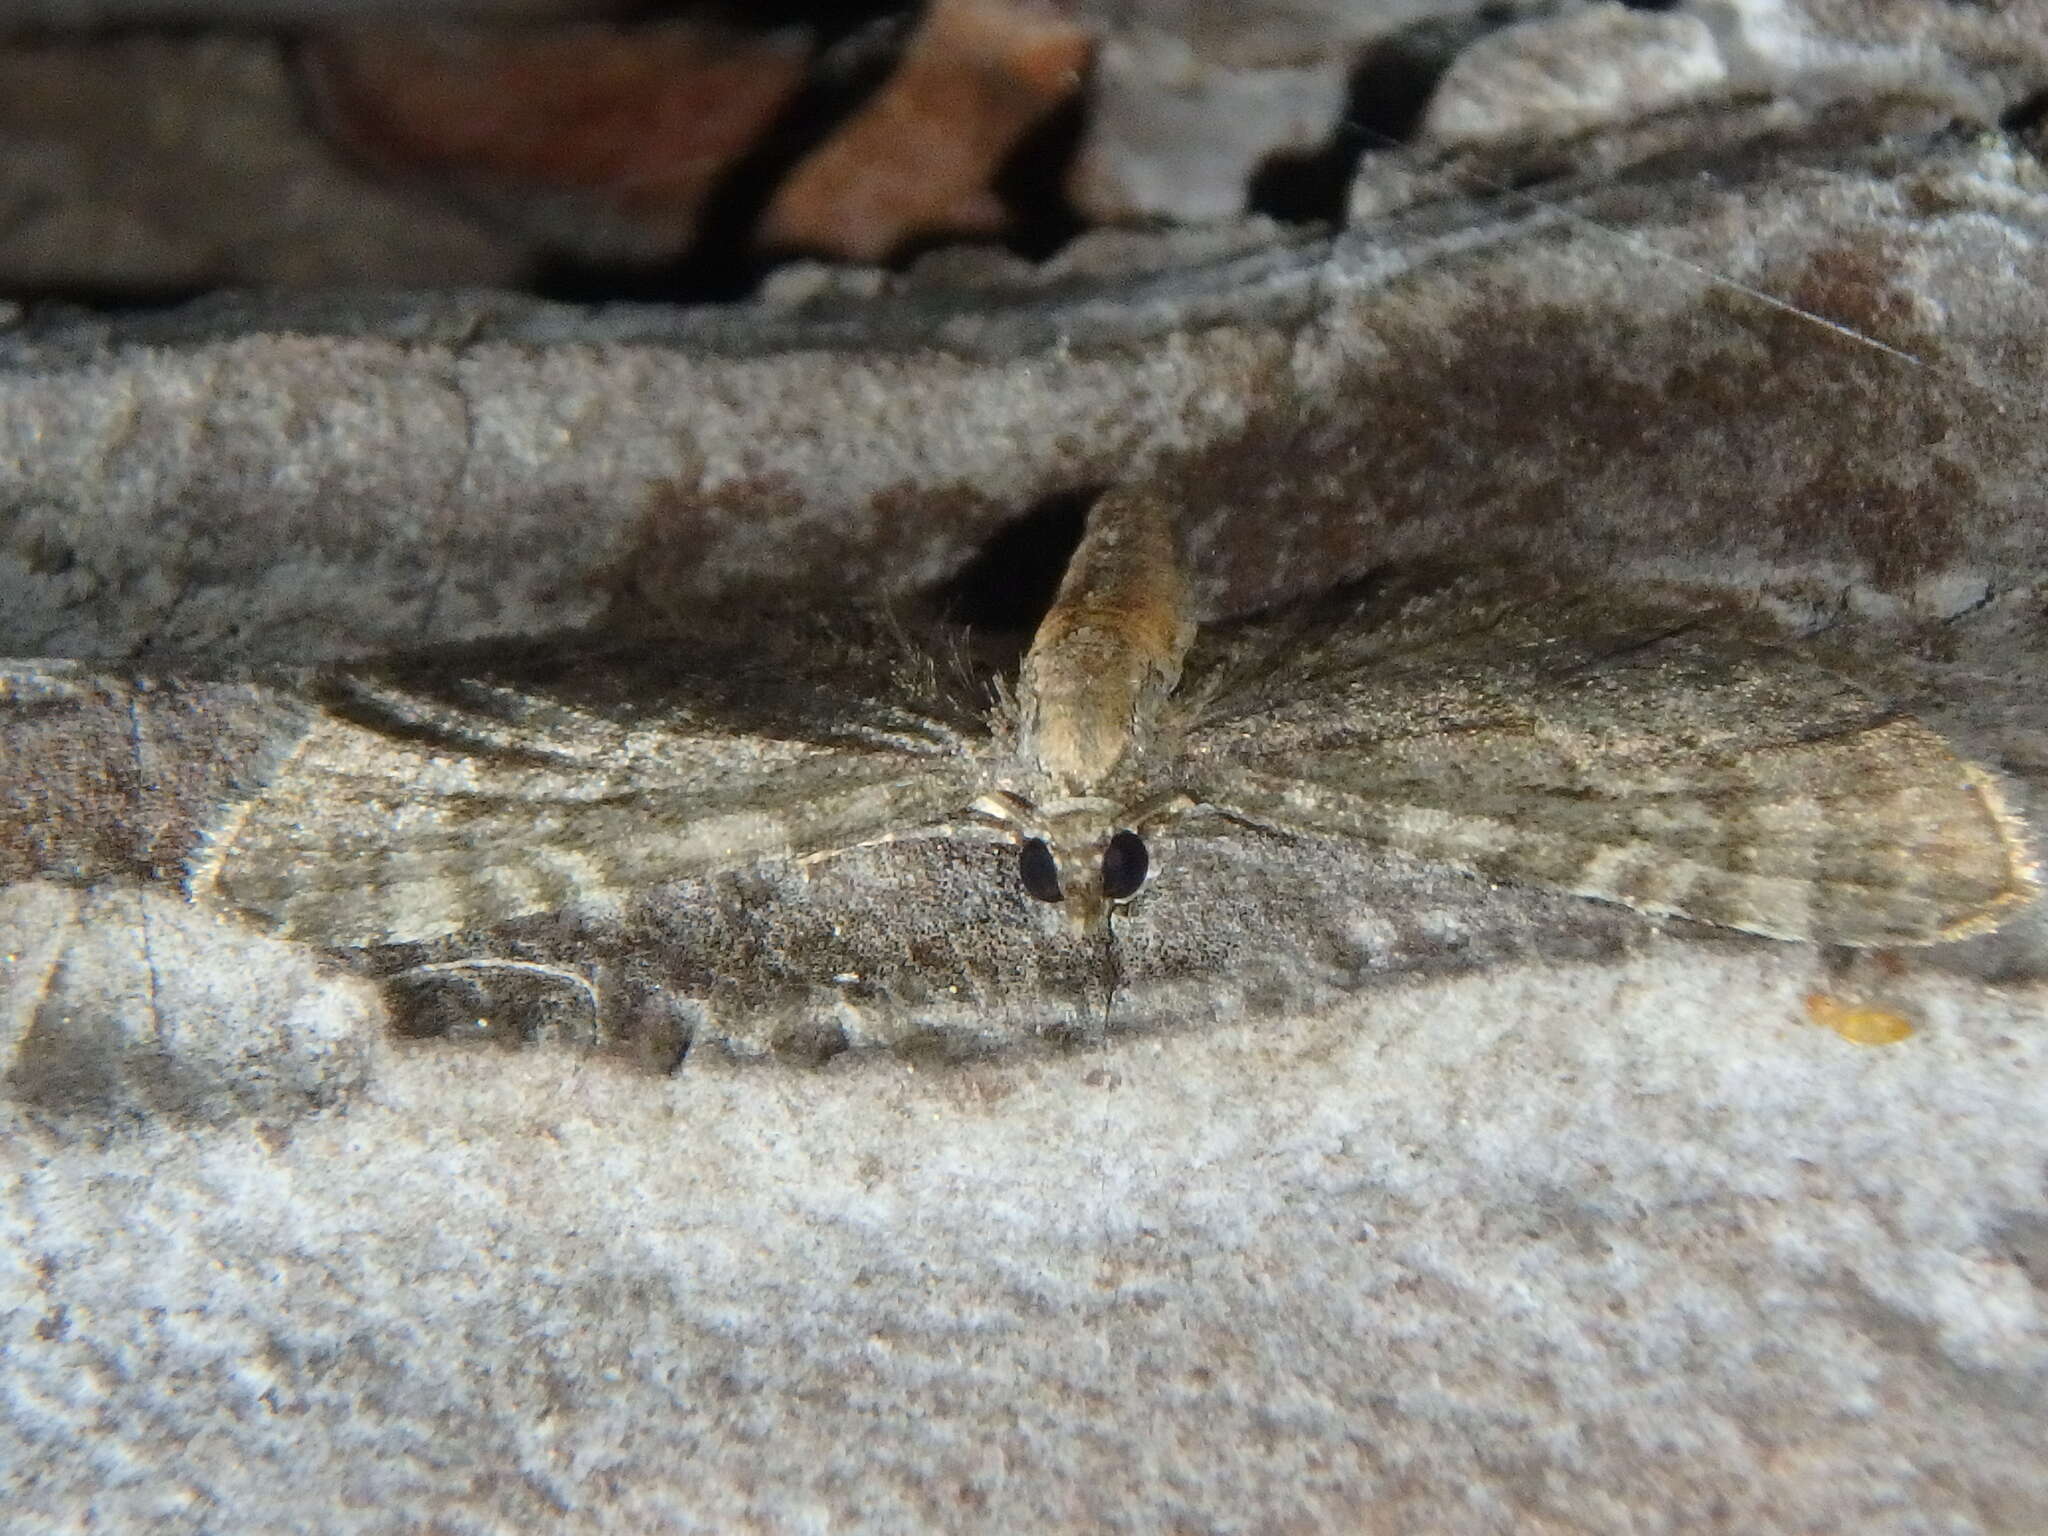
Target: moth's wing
[
  {"x": 1639, "y": 753},
  {"x": 424, "y": 800}
]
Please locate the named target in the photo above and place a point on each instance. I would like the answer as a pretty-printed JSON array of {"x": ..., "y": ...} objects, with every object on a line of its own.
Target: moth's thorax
[{"x": 1108, "y": 653}]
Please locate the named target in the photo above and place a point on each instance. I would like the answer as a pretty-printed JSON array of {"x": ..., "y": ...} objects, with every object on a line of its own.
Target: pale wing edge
[
  {"x": 1897, "y": 842},
  {"x": 341, "y": 872}
]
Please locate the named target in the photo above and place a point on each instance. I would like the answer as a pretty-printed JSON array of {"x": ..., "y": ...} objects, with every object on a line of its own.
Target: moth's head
[{"x": 1080, "y": 857}]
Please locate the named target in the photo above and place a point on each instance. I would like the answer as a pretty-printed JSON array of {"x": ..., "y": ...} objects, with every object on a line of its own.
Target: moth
[
  {"x": 1651, "y": 754},
  {"x": 1601, "y": 748}
]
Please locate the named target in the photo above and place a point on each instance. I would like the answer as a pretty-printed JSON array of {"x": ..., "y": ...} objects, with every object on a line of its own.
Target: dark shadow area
[
  {"x": 1010, "y": 584},
  {"x": 2029, "y": 116},
  {"x": 1388, "y": 91},
  {"x": 1033, "y": 182},
  {"x": 40, "y": 301}
]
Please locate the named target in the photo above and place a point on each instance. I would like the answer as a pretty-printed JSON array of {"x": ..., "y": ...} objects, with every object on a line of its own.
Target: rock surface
[
  {"x": 1597, "y": 380},
  {"x": 1596, "y": 1249},
  {"x": 1565, "y": 1244}
]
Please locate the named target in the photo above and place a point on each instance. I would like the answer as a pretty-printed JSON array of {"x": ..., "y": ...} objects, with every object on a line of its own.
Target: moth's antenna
[
  {"x": 1761, "y": 296},
  {"x": 1655, "y": 252},
  {"x": 1722, "y": 280}
]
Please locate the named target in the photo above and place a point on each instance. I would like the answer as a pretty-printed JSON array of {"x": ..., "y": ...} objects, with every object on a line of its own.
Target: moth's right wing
[
  {"x": 1651, "y": 754},
  {"x": 422, "y": 801}
]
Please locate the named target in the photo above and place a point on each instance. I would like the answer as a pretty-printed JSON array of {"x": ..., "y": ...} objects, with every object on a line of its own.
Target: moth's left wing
[
  {"x": 1626, "y": 751},
  {"x": 420, "y": 802}
]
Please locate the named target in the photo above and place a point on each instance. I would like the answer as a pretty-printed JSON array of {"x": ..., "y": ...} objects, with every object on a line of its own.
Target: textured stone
[
  {"x": 1598, "y": 1249},
  {"x": 1177, "y": 137},
  {"x": 125, "y": 1010},
  {"x": 1494, "y": 376},
  {"x": 1551, "y": 79}
]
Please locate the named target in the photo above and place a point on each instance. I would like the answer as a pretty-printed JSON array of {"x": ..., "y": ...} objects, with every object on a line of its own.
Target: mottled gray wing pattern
[
  {"x": 1643, "y": 754},
  {"x": 440, "y": 798}
]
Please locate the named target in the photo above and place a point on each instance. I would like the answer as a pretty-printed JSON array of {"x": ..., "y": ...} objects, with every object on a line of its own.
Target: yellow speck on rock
[{"x": 1857, "y": 1024}]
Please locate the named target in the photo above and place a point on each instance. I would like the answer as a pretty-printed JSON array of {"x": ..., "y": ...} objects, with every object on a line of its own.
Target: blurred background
[{"x": 149, "y": 151}]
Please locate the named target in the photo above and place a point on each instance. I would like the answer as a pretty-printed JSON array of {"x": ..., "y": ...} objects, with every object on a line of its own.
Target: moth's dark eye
[
  {"x": 1124, "y": 863},
  {"x": 1040, "y": 871}
]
